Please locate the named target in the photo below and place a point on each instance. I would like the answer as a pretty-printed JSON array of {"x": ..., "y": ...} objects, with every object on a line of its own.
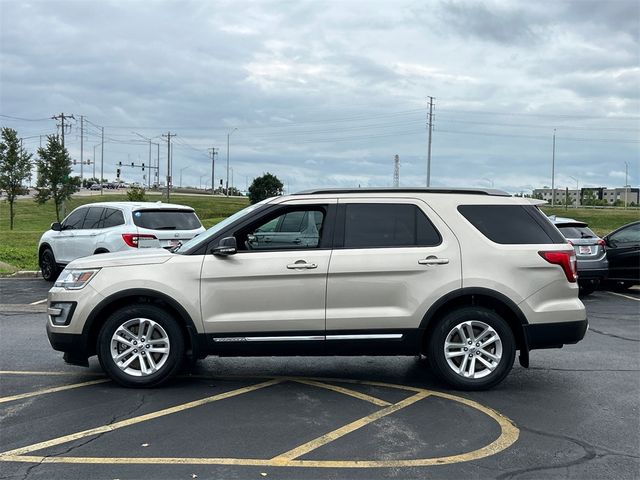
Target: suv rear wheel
[
  {"x": 471, "y": 348},
  {"x": 140, "y": 346}
]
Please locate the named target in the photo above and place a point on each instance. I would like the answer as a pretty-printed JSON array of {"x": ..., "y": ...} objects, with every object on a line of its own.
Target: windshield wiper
[{"x": 175, "y": 248}]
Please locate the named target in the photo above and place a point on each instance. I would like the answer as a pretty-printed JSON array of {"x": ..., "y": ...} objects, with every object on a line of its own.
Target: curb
[{"x": 25, "y": 274}]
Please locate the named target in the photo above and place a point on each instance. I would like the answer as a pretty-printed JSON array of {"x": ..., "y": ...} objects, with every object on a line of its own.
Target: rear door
[
  {"x": 169, "y": 226},
  {"x": 84, "y": 242},
  {"x": 393, "y": 259}
]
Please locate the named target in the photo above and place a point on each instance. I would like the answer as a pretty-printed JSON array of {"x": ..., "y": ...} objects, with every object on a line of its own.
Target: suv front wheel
[
  {"x": 140, "y": 346},
  {"x": 471, "y": 348}
]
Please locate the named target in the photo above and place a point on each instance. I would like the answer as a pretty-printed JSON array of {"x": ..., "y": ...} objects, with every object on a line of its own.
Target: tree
[
  {"x": 54, "y": 179},
  {"x": 264, "y": 187},
  {"x": 136, "y": 194},
  {"x": 15, "y": 168}
]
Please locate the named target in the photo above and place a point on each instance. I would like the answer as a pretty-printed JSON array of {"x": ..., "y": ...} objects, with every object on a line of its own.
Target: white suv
[
  {"x": 465, "y": 277},
  {"x": 114, "y": 226}
]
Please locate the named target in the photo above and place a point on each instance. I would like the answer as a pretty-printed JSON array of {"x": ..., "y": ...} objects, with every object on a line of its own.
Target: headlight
[{"x": 75, "y": 279}]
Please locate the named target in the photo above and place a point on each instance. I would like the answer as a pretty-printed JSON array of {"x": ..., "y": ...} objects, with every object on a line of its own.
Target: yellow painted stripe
[
  {"x": 344, "y": 391},
  {"x": 44, "y": 391},
  {"x": 348, "y": 428},
  {"x": 134, "y": 420},
  {"x": 26, "y": 372}
]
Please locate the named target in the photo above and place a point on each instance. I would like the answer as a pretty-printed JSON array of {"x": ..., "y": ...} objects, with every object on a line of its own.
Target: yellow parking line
[
  {"x": 625, "y": 296},
  {"x": 344, "y": 391},
  {"x": 134, "y": 420},
  {"x": 26, "y": 372},
  {"x": 348, "y": 428},
  {"x": 51, "y": 390}
]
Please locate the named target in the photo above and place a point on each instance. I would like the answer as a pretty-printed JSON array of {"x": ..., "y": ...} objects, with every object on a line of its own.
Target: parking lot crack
[
  {"x": 591, "y": 329},
  {"x": 590, "y": 452}
]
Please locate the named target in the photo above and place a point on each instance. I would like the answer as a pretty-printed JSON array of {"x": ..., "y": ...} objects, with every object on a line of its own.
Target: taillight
[
  {"x": 566, "y": 259},
  {"x": 602, "y": 243},
  {"x": 132, "y": 239}
]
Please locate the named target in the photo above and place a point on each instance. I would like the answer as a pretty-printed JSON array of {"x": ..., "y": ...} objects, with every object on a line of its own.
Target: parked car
[
  {"x": 623, "y": 253},
  {"x": 94, "y": 186},
  {"x": 112, "y": 227},
  {"x": 593, "y": 266},
  {"x": 465, "y": 277}
]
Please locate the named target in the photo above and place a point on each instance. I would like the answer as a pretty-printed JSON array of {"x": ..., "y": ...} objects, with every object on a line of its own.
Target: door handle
[
  {"x": 301, "y": 264},
  {"x": 433, "y": 260},
  {"x": 297, "y": 241}
]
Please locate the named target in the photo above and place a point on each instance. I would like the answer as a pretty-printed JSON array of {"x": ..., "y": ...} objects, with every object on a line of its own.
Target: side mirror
[
  {"x": 56, "y": 227},
  {"x": 227, "y": 246}
]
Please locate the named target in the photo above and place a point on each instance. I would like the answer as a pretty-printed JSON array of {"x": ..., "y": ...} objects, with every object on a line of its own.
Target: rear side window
[
  {"x": 370, "y": 225},
  {"x": 512, "y": 224},
  {"x": 166, "y": 219},
  {"x": 92, "y": 220},
  {"x": 111, "y": 218}
]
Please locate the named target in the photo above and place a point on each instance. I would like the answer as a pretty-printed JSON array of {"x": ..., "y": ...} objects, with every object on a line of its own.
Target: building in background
[{"x": 585, "y": 196}]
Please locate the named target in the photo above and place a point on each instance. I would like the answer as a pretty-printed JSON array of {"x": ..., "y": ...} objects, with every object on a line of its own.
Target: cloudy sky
[{"x": 325, "y": 93}]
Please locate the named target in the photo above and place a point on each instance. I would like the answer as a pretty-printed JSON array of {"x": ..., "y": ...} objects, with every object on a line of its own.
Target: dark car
[
  {"x": 623, "y": 253},
  {"x": 593, "y": 266}
]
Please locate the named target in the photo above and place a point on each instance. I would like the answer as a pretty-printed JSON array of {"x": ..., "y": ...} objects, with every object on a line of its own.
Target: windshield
[
  {"x": 218, "y": 226},
  {"x": 166, "y": 219}
]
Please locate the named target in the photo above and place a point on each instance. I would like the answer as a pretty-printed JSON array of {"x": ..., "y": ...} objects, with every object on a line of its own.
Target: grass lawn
[
  {"x": 600, "y": 220},
  {"x": 18, "y": 247}
]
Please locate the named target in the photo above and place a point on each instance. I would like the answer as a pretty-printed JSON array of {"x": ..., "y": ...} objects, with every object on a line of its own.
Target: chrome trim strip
[
  {"x": 54, "y": 312},
  {"x": 370, "y": 336},
  {"x": 296, "y": 338},
  {"x": 269, "y": 339}
]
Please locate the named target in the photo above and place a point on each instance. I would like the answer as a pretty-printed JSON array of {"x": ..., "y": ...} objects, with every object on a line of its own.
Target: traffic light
[
  {"x": 132, "y": 164},
  {"x": 74, "y": 162},
  {"x": 118, "y": 173},
  {"x": 143, "y": 166},
  {"x": 119, "y": 164}
]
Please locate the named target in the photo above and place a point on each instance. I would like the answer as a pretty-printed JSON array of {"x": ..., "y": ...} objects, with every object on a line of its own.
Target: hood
[{"x": 142, "y": 256}]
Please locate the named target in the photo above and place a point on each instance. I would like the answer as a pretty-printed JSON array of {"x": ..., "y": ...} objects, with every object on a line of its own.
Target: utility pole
[
  {"x": 228, "y": 135},
  {"x": 81, "y": 149},
  {"x": 553, "y": 171},
  {"x": 168, "y": 137},
  {"x": 62, "y": 118},
  {"x": 102, "y": 161},
  {"x": 396, "y": 171},
  {"x": 626, "y": 183},
  {"x": 213, "y": 151},
  {"x": 430, "y": 125}
]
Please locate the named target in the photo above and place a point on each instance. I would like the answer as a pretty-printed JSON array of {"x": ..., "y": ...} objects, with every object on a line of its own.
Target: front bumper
[
  {"x": 73, "y": 345},
  {"x": 554, "y": 335}
]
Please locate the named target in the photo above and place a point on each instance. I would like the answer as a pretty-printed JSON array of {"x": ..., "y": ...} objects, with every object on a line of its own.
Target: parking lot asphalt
[{"x": 573, "y": 414}]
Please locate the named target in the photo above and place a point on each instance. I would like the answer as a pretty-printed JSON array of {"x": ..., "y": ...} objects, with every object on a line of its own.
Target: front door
[{"x": 271, "y": 291}]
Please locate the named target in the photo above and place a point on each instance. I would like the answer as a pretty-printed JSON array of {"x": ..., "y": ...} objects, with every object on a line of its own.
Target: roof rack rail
[{"x": 465, "y": 191}]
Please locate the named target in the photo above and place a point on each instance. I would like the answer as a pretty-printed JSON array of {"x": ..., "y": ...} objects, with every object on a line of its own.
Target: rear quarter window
[
  {"x": 512, "y": 224},
  {"x": 166, "y": 219}
]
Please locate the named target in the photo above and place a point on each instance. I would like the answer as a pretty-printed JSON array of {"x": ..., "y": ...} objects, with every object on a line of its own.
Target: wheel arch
[
  {"x": 43, "y": 246},
  {"x": 480, "y": 297},
  {"x": 194, "y": 345}
]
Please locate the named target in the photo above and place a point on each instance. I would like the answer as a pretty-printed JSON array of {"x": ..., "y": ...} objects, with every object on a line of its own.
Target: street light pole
[
  {"x": 228, "y": 135},
  {"x": 553, "y": 171},
  {"x": 577, "y": 190},
  {"x": 183, "y": 168}
]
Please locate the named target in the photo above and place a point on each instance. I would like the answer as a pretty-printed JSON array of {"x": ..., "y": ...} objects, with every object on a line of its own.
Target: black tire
[
  {"x": 587, "y": 288},
  {"x": 48, "y": 266},
  {"x": 169, "y": 329},
  {"x": 445, "y": 326}
]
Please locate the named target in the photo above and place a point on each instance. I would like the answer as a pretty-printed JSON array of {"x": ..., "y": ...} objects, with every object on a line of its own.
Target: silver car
[{"x": 593, "y": 265}]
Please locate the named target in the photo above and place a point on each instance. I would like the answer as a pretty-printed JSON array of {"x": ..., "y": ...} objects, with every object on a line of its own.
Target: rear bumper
[
  {"x": 593, "y": 269},
  {"x": 554, "y": 335}
]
